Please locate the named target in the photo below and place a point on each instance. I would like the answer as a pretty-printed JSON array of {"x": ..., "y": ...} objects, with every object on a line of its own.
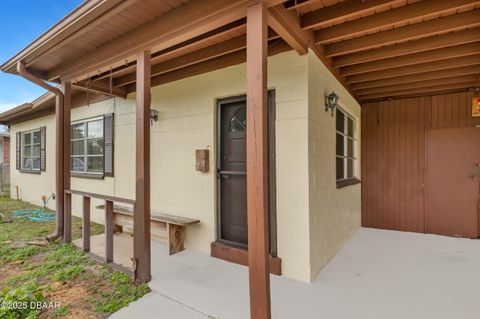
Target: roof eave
[{"x": 55, "y": 32}]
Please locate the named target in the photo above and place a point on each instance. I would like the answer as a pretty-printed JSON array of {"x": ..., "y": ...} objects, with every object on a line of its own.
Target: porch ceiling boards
[{"x": 397, "y": 48}]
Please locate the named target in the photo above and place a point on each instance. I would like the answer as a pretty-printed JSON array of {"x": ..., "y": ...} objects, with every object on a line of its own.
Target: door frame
[{"x": 272, "y": 183}]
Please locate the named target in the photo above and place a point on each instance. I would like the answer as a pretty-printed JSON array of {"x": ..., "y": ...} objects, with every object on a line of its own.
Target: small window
[
  {"x": 346, "y": 145},
  {"x": 31, "y": 144},
  {"x": 87, "y": 146}
]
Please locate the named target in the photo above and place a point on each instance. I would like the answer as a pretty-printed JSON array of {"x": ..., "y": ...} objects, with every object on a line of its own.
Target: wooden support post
[
  {"x": 257, "y": 162},
  {"x": 141, "y": 218},
  {"x": 108, "y": 231},
  {"x": 67, "y": 104},
  {"x": 59, "y": 190},
  {"x": 86, "y": 224},
  {"x": 67, "y": 222}
]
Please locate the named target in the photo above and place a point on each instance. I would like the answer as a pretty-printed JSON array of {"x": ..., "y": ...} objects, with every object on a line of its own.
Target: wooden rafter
[
  {"x": 293, "y": 27},
  {"x": 414, "y": 69},
  {"x": 436, "y": 42},
  {"x": 418, "y": 77},
  {"x": 418, "y": 84},
  {"x": 419, "y": 91},
  {"x": 418, "y": 10},
  {"x": 341, "y": 10},
  {"x": 171, "y": 52},
  {"x": 220, "y": 62},
  {"x": 410, "y": 32},
  {"x": 208, "y": 53},
  {"x": 287, "y": 25},
  {"x": 297, "y": 4},
  {"x": 417, "y": 58},
  {"x": 185, "y": 22}
]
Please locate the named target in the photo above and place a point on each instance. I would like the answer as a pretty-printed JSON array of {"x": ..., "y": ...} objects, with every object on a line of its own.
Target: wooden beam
[
  {"x": 412, "y": 70},
  {"x": 66, "y": 127},
  {"x": 208, "y": 53},
  {"x": 187, "y": 21},
  {"x": 410, "y": 32},
  {"x": 417, "y": 58},
  {"x": 415, "y": 46},
  {"x": 141, "y": 219},
  {"x": 221, "y": 62},
  {"x": 305, "y": 36},
  {"x": 286, "y": 24},
  {"x": 297, "y": 4},
  {"x": 172, "y": 52},
  {"x": 427, "y": 90},
  {"x": 418, "y": 84},
  {"x": 341, "y": 11},
  {"x": 59, "y": 160},
  {"x": 257, "y": 163},
  {"x": 415, "y": 11},
  {"x": 109, "y": 231},
  {"x": 101, "y": 87},
  {"x": 427, "y": 76},
  {"x": 86, "y": 224}
]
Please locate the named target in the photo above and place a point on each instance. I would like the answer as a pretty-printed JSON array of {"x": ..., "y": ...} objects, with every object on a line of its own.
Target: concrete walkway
[{"x": 378, "y": 274}]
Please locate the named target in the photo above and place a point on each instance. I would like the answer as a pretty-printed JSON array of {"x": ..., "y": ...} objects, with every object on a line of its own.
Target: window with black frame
[
  {"x": 87, "y": 147},
  {"x": 346, "y": 145}
]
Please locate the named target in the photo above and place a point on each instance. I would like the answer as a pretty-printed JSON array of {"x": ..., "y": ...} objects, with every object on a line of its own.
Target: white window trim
[
  {"x": 85, "y": 139},
  {"x": 22, "y": 150},
  {"x": 345, "y": 158}
]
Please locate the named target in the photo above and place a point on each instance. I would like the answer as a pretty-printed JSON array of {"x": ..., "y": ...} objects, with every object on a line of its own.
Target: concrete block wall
[
  {"x": 187, "y": 117},
  {"x": 314, "y": 219},
  {"x": 335, "y": 214}
]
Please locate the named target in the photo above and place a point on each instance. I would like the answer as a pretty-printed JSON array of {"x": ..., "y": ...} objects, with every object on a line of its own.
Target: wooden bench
[{"x": 175, "y": 227}]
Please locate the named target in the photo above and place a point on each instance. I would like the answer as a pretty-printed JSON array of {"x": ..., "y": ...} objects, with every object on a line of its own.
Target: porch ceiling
[{"x": 377, "y": 49}]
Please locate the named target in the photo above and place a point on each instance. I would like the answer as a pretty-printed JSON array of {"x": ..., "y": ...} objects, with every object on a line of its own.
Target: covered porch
[
  {"x": 378, "y": 274},
  {"x": 377, "y": 50}
]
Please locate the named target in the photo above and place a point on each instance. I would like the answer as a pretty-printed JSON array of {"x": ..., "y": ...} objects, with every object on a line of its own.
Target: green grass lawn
[{"x": 56, "y": 275}]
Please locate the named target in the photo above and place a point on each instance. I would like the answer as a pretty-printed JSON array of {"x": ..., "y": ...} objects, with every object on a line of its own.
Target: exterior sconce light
[
  {"x": 153, "y": 116},
  {"x": 331, "y": 101}
]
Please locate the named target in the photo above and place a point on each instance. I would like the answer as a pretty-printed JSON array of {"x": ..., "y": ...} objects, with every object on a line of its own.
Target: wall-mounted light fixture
[
  {"x": 331, "y": 101},
  {"x": 153, "y": 116}
]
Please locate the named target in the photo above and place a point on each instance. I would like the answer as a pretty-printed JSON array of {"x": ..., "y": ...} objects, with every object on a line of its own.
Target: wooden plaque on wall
[{"x": 476, "y": 106}]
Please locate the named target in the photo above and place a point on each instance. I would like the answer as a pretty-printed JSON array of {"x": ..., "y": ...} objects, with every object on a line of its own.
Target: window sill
[
  {"x": 88, "y": 176},
  {"x": 348, "y": 182},
  {"x": 24, "y": 171}
]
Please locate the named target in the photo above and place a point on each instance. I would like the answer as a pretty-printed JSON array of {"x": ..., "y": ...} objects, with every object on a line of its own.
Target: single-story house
[{"x": 311, "y": 118}]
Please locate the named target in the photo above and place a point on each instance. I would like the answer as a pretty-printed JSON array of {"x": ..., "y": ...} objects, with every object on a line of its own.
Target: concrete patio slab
[{"x": 378, "y": 274}]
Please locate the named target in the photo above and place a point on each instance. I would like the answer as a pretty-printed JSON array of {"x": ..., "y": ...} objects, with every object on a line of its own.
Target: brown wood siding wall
[{"x": 394, "y": 156}]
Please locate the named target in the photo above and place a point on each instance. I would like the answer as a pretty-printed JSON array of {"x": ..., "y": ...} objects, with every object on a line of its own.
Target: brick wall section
[{"x": 6, "y": 150}]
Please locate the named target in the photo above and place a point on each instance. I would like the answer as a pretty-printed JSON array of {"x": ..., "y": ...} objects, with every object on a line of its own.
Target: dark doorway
[
  {"x": 231, "y": 172},
  {"x": 453, "y": 177}
]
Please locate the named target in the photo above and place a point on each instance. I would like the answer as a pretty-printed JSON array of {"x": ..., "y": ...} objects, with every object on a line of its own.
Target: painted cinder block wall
[
  {"x": 187, "y": 117},
  {"x": 335, "y": 214}
]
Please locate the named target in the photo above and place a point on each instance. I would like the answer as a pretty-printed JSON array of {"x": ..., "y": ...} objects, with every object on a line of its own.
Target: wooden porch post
[
  {"x": 141, "y": 222},
  {"x": 67, "y": 105},
  {"x": 257, "y": 162},
  {"x": 59, "y": 190}
]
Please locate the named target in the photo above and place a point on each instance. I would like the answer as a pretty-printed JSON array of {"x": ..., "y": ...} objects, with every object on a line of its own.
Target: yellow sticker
[{"x": 476, "y": 106}]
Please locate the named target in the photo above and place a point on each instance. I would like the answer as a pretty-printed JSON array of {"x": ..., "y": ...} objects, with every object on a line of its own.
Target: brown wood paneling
[{"x": 394, "y": 155}]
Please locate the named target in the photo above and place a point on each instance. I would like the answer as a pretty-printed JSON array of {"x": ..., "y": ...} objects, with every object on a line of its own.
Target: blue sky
[{"x": 22, "y": 22}]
